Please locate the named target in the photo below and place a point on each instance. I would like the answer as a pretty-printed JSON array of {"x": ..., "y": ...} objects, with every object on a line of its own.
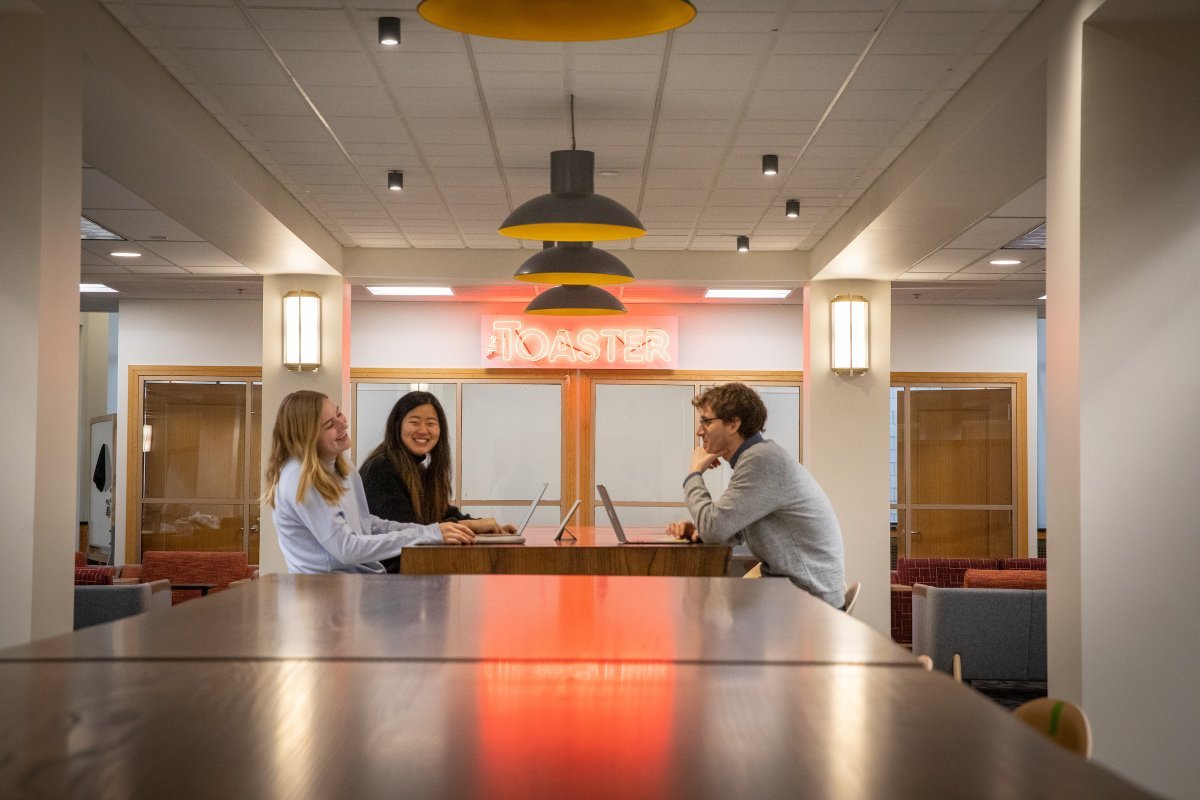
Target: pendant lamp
[
  {"x": 562, "y": 21},
  {"x": 574, "y": 263},
  {"x": 572, "y": 211},
  {"x": 575, "y": 301}
]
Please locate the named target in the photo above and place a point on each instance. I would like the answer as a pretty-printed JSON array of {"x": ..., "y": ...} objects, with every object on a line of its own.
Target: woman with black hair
[{"x": 407, "y": 478}]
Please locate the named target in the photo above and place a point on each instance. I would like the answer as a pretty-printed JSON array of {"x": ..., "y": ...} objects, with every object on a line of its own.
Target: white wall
[
  {"x": 448, "y": 335},
  {"x": 975, "y": 339},
  {"x": 177, "y": 332}
]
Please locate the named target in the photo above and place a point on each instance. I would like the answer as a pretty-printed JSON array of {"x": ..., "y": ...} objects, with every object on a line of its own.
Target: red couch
[{"x": 945, "y": 573}]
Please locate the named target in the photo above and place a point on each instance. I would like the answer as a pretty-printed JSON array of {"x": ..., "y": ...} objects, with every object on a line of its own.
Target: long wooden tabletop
[
  {"x": 500, "y": 729},
  {"x": 593, "y": 551},
  {"x": 490, "y": 617}
]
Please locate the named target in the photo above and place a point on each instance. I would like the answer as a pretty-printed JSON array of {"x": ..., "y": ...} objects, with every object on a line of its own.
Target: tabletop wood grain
[
  {"x": 497, "y": 729},
  {"x": 480, "y": 617}
]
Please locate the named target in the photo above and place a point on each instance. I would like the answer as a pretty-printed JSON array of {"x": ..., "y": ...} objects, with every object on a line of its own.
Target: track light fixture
[
  {"x": 743, "y": 244},
  {"x": 793, "y": 209},
  {"x": 395, "y": 180},
  {"x": 389, "y": 31},
  {"x": 770, "y": 165}
]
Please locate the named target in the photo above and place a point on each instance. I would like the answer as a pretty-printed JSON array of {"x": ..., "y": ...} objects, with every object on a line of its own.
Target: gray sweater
[{"x": 784, "y": 516}]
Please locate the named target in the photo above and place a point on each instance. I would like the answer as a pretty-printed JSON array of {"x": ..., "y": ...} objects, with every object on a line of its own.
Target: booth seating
[
  {"x": 214, "y": 571},
  {"x": 996, "y": 634},
  {"x": 943, "y": 573}
]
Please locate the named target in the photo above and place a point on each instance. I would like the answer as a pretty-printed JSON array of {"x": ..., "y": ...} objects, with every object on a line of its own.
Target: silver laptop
[
  {"x": 661, "y": 538},
  {"x": 519, "y": 536}
]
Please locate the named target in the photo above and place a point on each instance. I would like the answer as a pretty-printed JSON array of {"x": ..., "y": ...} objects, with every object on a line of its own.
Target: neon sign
[{"x": 630, "y": 343}]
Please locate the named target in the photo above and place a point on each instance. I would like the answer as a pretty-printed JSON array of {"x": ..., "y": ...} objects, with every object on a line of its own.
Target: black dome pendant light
[{"x": 572, "y": 211}]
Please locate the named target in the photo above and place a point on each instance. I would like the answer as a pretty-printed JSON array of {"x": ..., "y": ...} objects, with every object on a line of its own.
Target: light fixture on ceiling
[
  {"x": 95, "y": 288},
  {"x": 302, "y": 330},
  {"x": 592, "y": 21},
  {"x": 389, "y": 31},
  {"x": 91, "y": 230},
  {"x": 575, "y": 301},
  {"x": 770, "y": 165},
  {"x": 125, "y": 254},
  {"x": 411, "y": 291},
  {"x": 572, "y": 211},
  {"x": 747, "y": 294},
  {"x": 793, "y": 209},
  {"x": 743, "y": 244},
  {"x": 574, "y": 263},
  {"x": 1004, "y": 262},
  {"x": 395, "y": 180},
  {"x": 849, "y": 330}
]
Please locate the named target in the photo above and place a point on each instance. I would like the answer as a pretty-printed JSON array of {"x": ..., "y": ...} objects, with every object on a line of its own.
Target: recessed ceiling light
[
  {"x": 411, "y": 291},
  {"x": 750, "y": 294},
  {"x": 125, "y": 254},
  {"x": 1004, "y": 262},
  {"x": 608, "y": 173},
  {"x": 95, "y": 287},
  {"x": 395, "y": 180},
  {"x": 770, "y": 165},
  {"x": 743, "y": 244}
]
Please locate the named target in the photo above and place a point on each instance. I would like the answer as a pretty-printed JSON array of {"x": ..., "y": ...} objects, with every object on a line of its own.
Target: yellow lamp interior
[
  {"x": 572, "y": 232},
  {"x": 558, "y": 20},
  {"x": 575, "y": 278}
]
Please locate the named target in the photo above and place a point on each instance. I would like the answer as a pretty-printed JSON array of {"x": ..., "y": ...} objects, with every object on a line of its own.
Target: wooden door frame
[
  {"x": 133, "y": 434},
  {"x": 1017, "y": 381}
]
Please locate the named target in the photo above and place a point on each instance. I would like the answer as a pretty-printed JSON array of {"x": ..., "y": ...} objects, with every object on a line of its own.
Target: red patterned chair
[{"x": 218, "y": 569}]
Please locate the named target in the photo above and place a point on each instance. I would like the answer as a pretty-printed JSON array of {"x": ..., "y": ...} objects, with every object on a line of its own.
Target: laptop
[
  {"x": 518, "y": 537},
  {"x": 662, "y": 538}
]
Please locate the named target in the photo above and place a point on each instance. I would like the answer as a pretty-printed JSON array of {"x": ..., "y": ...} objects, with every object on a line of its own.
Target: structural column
[
  {"x": 846, "y": 438},
  {"x": 331, "y": 378},
  {"x": 1122, "y": 435},
  {"x": 40, "y": 126}
]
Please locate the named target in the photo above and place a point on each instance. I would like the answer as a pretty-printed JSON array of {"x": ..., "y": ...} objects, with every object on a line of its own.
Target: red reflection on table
[
  {"x": 570, "y": 729},
  {"x": 579, "y": 617}
]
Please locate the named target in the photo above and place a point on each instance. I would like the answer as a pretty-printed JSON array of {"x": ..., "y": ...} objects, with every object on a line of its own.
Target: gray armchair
[
  {"x": 999, "y": 634},
  {"x": 97, "y": 604}
]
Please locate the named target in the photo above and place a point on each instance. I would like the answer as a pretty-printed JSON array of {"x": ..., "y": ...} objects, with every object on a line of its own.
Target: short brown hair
[{"x": 731, "y": 401}]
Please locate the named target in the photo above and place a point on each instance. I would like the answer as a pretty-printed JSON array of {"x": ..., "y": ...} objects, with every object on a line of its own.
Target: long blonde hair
[{"x": 297, "y": 426}]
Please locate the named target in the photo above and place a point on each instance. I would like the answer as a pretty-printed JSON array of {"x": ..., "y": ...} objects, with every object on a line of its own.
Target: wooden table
[
  {"x": 508, "y": 686},
  {"x": 594, "y": 551},
  {"x": 497, "y": 729},
  {"x": 503, "y": 617}
]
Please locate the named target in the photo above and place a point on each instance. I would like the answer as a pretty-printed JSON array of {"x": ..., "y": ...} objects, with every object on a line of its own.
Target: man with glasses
[{"x": 772, "y": 501}]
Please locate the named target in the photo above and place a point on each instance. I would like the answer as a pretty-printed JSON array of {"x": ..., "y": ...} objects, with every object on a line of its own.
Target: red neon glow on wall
[{"x": 630, "y": 343}]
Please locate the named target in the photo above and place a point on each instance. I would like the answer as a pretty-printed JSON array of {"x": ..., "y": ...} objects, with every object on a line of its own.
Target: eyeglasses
[{"x": 706, "y": 421}]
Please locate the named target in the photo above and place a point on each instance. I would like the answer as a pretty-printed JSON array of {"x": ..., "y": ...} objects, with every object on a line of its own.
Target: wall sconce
[
  {"x": 302, "y": 330},
  {"x": 849, "y": 347}
]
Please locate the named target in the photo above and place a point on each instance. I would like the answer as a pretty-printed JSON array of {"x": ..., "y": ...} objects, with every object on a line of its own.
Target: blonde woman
[{"x": 317, "y": 498}]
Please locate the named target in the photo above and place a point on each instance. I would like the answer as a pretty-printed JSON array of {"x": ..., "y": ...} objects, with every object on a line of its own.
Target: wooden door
[{"x": 956, "y": 459}]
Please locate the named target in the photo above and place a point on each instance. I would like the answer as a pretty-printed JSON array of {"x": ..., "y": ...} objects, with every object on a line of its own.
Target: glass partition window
[
  {"x": 644, "y": 436},
  {"x": 200, "y": 462},
  {"x": 374, "y": 402},
  {"x": 511, "y": 441},
  {"x": 506, "y": 436}
]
